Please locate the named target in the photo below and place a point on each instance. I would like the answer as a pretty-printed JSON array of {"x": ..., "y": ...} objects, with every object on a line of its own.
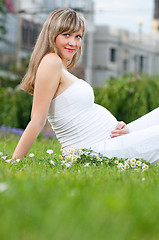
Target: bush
[
  {"x": 15, "y": 107},
  {"x": 129, "y": 97},
  {"x": 7, "y": 81}
]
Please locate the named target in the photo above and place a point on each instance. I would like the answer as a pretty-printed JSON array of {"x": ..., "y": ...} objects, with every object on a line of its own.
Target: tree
[{"x": 3, "y": 12}]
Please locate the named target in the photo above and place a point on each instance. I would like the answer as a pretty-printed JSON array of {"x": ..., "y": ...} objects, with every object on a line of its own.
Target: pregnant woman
[{"x": 68, "y": 102}]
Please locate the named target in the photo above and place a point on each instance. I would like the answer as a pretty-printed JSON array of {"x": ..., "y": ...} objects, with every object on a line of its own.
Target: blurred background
[{"x": 122, "y": 37}]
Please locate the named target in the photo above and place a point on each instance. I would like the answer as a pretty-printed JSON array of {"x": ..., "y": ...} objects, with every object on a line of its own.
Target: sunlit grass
[{"x": 44, "y": 201}]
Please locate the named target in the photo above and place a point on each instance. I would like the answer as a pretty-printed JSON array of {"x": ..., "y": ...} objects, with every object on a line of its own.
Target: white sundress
[{"x": 77, "y": 121}]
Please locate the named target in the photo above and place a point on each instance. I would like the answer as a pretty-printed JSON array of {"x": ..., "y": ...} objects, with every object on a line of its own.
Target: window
[
  {"x": 125, "y": 66},
  {"x": 141, "y": 63},
  {"x": 113, "y": 55}
]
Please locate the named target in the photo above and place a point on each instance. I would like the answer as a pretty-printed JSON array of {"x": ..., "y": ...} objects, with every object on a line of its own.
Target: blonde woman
[{"x": 68, "y": 102}]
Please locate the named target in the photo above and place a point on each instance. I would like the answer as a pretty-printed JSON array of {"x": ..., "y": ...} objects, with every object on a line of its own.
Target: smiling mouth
[{"x": 70, "y": 49}]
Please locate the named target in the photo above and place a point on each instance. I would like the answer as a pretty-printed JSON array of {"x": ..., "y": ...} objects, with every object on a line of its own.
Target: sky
[{"x": 125, "y": 14}]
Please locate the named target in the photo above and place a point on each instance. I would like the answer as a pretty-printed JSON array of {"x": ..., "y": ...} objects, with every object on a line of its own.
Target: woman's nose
[{"x": 72, "y": 42}]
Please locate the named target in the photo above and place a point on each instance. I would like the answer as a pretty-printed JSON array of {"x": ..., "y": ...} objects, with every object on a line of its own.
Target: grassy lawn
[{"x": 46, "y": 201}]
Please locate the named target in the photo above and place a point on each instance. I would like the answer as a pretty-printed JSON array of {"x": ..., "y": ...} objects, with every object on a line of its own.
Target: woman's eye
[
  {"x": 79, "y": 37},
  {"x": 66, "y": 34}
]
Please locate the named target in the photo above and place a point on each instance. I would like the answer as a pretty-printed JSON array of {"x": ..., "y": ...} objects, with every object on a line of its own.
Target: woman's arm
[{"x": 46, "y": 83}]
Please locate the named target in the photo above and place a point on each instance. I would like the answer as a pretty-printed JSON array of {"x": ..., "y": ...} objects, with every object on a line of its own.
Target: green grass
[{"x": 80, "y": 203}]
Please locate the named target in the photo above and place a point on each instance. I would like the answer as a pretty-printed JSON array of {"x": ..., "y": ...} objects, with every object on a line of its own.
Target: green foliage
[
  {"x": 15, "y": 107},
  {"x": 45, "y": 201},
  {"x": 7, "y": 81},
  {"x": 129, "y": 97}
]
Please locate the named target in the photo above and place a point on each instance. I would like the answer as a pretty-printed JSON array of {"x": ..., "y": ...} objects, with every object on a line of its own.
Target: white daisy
[
  {"x": 17, "y": 160},
  {"x": 63, "y": 161},
  {"x": 4, "y": 157},
  {"x": 52, "y": 162},
  {"x": 8, "y": 160},
  {"x": 31, "y": 155},
  {"x": 123, "y": 168},
  {"x": 126, "y": 165},
  {"x": 133, "y": 160},
  {"x": 68, "y": 164},
  {"x": 49, "y": 151},
  {"x": 1, "y": 153},
  {"x": 139, "y": 163},
  {"x": 146, "y": 166},
  {"x": 133, "y": 165},
  {"x": 128, "y": 161},
  {"x": 125, "y": 162},
  {"x": 119, "y": 165}
]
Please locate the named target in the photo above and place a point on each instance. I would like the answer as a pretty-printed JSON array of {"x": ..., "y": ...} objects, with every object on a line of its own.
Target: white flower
[
  {"x": 49, "y": 151},
  {"x": 138, "y": 163},
  {"x": 8, "y": 160},
  {"x": 128, "y": 161},
  {"x": 126, "y": 165},
  {"x": 63, "y": 161},
  {"x": 52, "y": 162},
  {"x": 4, "y": 157},
  {"x": 116, "y": 161},
  {"x": 1, "y": 153},
  {"x": 72, "y": 150},
  {"x": 68, "y": 164},
  {"x": 133, "y": 160},
  {"x": 144, "y": 167},
  {"x": 133, "y": 164},
  {"x": 86, "y": 165},
  {"x": 31, "y": 155},
  {"x": 17, "y": 160},
  {"x": 3, "y": 186},
  {"x": 143, "y": 179},
  {"x": 123, "y": 168},
  {"x": 119, "y": 165}
]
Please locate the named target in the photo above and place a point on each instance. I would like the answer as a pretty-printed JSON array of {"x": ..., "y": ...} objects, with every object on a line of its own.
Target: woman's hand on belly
[{"x": 120, "y": 130}]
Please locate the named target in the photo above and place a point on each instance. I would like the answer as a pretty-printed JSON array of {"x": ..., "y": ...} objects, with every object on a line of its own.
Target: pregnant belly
[{"x": 106, "y": 121}]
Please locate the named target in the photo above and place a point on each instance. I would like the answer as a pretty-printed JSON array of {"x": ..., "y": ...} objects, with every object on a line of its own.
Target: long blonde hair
[{"x": 59, "y": 21}]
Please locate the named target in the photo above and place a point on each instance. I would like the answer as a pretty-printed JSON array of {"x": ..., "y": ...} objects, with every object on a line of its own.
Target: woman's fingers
[
  {"x": 120, "y": 125},
  {"x": 120, "y": 130}
]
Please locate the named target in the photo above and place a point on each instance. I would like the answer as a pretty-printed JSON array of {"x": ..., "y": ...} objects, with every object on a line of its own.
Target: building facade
[{"x": 116, "y": 52}]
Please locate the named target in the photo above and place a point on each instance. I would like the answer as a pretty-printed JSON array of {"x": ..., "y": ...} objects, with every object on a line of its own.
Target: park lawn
[{"x": 44, "y": 201}]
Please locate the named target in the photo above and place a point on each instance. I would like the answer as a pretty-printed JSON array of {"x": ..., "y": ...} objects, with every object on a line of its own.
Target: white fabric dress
[{"x": 79, "y": 122}]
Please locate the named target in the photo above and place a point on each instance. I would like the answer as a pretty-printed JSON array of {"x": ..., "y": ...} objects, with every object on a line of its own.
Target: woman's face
[{"x": 68, "y": 44}]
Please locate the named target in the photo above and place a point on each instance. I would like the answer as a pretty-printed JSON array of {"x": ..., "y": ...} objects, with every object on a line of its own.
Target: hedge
[
  {"x": 130, "y": 96},
  {"x": 127, "y": 98},
  {"x": 15, "y": 107},
  {"x": 6, "y": 81}
]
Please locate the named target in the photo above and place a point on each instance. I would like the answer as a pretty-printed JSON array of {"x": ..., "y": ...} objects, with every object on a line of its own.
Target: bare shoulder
[{"x": 52, "y": 60}]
